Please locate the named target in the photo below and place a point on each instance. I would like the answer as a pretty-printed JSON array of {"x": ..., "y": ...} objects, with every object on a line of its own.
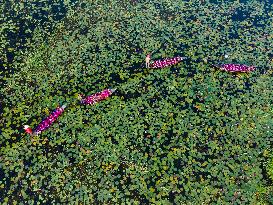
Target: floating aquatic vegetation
[
  {"x": 165, "y": 138},
  {"x": 46, "y": 123},
  {"x": 92, "y": 99}
]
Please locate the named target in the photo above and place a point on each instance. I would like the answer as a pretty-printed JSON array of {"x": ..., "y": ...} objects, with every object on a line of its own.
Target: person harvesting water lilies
[
  {"x": 147, "y": 59},
  {"x": 28, "y": 129}
]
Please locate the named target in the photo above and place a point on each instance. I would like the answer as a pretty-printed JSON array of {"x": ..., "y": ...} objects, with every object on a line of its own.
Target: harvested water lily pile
[{"x": 189, "y": 133}]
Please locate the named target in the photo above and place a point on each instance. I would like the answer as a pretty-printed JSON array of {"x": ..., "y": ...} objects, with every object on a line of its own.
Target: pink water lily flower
[
  {"x": 92, "y": 99},
  {"x": 166, "y": 62},
  {"x": 236, "y": 67},
  {"x": 46, "y": 123}
]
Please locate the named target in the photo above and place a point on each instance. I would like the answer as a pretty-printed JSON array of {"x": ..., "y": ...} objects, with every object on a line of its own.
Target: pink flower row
[
  {"x": 89, "y": 100},
  {"x": 97, "y": 97}
]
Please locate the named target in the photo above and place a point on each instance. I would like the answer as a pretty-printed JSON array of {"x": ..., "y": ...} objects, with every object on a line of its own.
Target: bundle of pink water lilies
[{"x": 97, "y": 97}]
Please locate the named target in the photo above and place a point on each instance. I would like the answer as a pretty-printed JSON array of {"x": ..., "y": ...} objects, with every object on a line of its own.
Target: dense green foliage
[{"x": 187, "y": 134}]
